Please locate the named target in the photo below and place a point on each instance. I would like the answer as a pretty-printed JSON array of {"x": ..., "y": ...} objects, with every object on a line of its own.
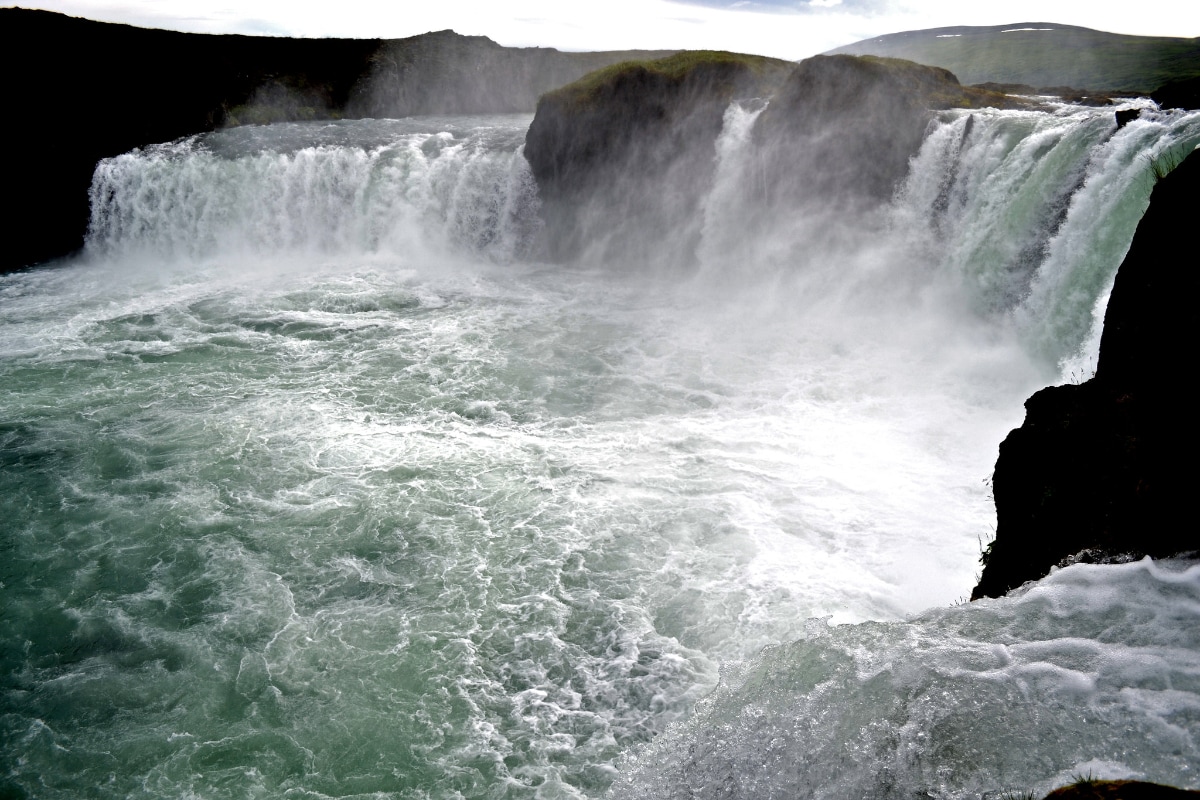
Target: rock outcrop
[
  {"x": 1102, "y": 470},
  {"x": 842, "y": 128},
  {"x": 1184, "y": 93},
  {"x": 623, "y": 156},
  {"x": 81, "y": 90}
]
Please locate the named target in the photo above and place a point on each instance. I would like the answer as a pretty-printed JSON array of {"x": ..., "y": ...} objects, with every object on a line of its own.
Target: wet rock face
[
  {"x": 879, "y": 123},
  {"x": 1104, "y": 470},
  {"x": 1184, "y": 93}
]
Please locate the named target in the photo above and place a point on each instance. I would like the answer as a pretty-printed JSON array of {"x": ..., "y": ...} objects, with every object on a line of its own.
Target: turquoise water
[
  {"x": 317, "y": 483},
  {"x": 370, "y": 530}
]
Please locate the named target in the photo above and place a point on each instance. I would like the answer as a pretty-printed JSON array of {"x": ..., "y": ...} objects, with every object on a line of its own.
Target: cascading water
[
  {"x": 1035, "y": 211},
  {"x": 317, "y": 484},
  {"x": 342, "y": 188}
]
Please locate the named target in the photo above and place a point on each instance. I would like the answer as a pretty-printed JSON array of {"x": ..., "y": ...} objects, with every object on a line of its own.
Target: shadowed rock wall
[
  {"x": 845, "y": 127},
  {"x": 1103, "y": 470}
]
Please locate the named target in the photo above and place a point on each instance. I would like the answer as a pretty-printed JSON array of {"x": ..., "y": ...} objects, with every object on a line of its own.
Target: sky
[{"x": 788, "y": 29}]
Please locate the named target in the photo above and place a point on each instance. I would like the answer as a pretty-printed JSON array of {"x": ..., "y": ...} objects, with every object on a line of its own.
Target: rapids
[{"x": 317, "y": 483}]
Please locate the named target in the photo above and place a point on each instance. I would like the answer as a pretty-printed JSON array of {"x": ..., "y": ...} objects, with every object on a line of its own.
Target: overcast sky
[{"x": 784, "y": 28}]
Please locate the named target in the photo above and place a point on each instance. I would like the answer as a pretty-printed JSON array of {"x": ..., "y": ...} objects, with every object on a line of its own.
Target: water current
[{"x": 316, "y": 482}]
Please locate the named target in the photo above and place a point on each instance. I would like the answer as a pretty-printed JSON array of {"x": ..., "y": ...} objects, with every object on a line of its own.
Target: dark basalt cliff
[
  {"x": 79, "y": 91},
  {"x": 1102, "y": 470},
  {"x": 623, "y": 156}
]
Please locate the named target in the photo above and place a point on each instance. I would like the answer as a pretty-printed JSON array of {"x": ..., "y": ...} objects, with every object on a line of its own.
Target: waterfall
[
  {"x": 1031, "y": 214},
  {"x": 733, "y": 185},
  {"x": 1034, "y": 212},
  {"x": 369, "y": 187},
  {"x": 317, "y": 482}
]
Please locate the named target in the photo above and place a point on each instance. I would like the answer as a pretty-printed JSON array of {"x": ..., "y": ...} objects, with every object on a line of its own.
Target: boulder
[{"x": 623, "y": 157}]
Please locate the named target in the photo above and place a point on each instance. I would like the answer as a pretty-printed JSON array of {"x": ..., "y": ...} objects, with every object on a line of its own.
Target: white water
[
  {"x": 319, "y": 484},
  {"x": 377, "y": 186},
  {"x": 1092, "y": 672}
]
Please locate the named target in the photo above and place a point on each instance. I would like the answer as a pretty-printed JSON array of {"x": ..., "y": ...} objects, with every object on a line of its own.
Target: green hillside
[{"x": 1043, "y": 54}]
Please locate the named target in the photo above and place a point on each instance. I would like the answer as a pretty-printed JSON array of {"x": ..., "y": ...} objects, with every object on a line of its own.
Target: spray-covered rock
[
  {"x": 843, "y": 128},
  {"x": 623, "y": 156}
]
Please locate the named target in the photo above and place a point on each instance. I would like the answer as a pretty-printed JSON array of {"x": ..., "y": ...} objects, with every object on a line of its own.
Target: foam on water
[{"x": 1094, "y": 671}]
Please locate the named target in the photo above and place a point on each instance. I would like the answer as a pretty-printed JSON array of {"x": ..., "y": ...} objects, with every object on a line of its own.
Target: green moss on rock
[{"x": 589, "y": 124}]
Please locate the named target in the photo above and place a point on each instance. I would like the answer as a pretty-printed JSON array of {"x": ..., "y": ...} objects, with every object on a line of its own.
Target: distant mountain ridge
[{"x": 1042, "y": 54}]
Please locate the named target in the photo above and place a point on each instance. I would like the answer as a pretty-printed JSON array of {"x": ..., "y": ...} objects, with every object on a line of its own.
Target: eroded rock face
[
  {"x": 1104, "y": 470},
  {"x": 1184, "y": 93}
]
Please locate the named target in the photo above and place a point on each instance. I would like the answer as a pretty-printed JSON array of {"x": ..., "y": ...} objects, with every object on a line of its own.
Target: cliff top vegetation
[{"x": 757, "y": 73}]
